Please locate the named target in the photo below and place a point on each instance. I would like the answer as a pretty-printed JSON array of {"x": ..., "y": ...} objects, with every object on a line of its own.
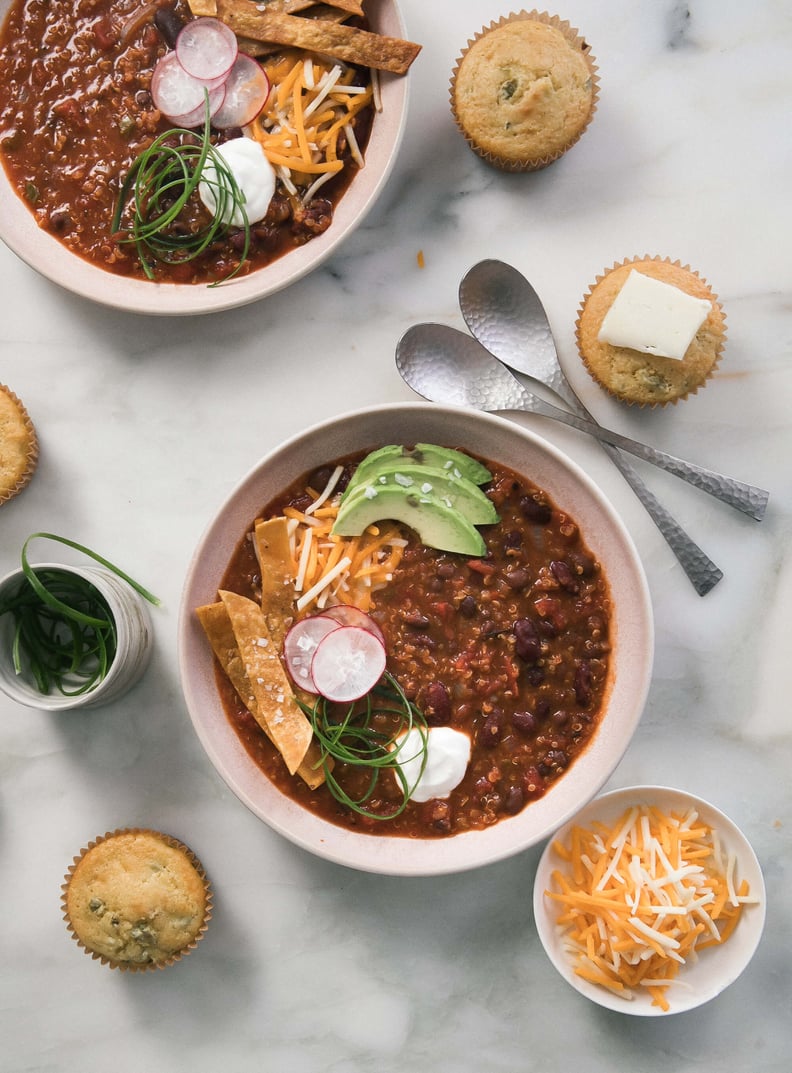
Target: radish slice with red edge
[
  {"x": 173, "y": 90},
  {"x": 197, "y": 116},
  {"x": 206, "y": 49},
  {"x": 348, "y": 615},
  {"x": 247, "y": 88},
  {"x": 299, "y": 646},
  {"x": 347, "y": 664}
]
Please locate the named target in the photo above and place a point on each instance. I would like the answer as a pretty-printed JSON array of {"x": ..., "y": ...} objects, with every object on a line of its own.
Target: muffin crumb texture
[
  {"x": 136, "y": 898},
  {"x": 642, "y": 378},
  {"x": 18, "y": 445},
  {"x": 524, "y": 91}
]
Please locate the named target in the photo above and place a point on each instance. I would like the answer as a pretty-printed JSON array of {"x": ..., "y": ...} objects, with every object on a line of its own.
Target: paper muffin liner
[
  {"x": 32, "y": 449},
  {"x": 579, "y": 43},
  {"x": 134, "y": 966},
  {"x": 694, "y": 388}
]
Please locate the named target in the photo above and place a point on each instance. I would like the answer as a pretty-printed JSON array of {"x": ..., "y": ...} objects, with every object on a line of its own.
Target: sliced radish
[
  {"x": 353, "y": 616},
  {"x": 206, "y": 48},
  {"x": 197, "y": 116},
  {"x": 299, "y": 646},
  {"x": 247, "y": 88},
  {"x": 173, "y": 90},
  {"x": 347, "y": 663}
]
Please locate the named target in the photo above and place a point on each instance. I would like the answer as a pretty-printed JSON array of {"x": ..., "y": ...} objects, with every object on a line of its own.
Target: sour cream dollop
[
  {"x": 254, "y": 175},
  {"x": 447, "y": 758}
]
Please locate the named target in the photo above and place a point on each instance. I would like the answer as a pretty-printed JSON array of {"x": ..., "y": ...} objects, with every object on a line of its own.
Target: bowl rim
[
  {"x": 392, "y": 855},
  {"x": 715, "y": 970},
  {"x": 55, "y": 262}
]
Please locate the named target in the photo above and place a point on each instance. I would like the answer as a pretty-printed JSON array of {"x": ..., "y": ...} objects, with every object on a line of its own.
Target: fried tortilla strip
[
  {"x": 217, "y": 627},
  {"x": 290, "y": 7},
  {"x": 318, "y": 35},
  {"x": 204, "y": 7},
  {"x": 278, "y": 571}
]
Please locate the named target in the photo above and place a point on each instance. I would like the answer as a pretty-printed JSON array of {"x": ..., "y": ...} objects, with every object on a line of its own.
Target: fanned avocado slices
[{"x": 432, "y": 489}]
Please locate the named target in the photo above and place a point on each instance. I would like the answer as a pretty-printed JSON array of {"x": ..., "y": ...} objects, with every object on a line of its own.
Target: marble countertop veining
[{"x": 145, "y": 426}]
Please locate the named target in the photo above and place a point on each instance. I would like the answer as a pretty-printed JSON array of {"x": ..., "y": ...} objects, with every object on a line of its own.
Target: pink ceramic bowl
[
  {"x": 19, "y": 231},
  {"x": 493, "y": 438}
]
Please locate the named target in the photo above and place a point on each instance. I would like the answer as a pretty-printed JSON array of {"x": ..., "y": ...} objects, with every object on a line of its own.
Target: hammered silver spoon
[
  {"x": 448, "y": 366},
  {"x": 505, "y": 314}
]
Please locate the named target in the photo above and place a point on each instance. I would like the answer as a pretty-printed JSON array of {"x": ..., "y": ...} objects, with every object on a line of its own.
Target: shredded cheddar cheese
[
  {"x": 311, "y": 107},
  {"x": 333, "y": 569},
  {"x": 641, "y": 899}
]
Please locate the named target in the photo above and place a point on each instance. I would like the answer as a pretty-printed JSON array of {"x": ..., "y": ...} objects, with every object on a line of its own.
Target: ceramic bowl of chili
[
  {"x": 487, "y": 827},
  {"x": 84, "y": 145}
]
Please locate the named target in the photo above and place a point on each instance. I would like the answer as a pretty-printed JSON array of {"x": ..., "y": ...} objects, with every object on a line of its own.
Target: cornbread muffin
[
  {"x": 136, "y": 899},
  {"x": 18, "y": 445},
  {"x": 661, "y": 317},
  {"x": 524, "y": 90}
]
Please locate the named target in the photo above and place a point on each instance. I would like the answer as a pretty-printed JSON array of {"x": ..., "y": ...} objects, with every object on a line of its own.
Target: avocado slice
[
  {"x": 454, "y": 491},
  {"x": 457, "y": 463},
  {"x": 438, "y": 525}
]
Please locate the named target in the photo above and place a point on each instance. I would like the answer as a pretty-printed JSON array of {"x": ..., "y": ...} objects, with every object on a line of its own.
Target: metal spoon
[
  {"x": 504, "y": 313},
  {"x": 445, "y": 365}
]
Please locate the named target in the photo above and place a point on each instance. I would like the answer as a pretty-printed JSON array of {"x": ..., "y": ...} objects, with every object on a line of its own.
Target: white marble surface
[{"x": 146, "y": 424}]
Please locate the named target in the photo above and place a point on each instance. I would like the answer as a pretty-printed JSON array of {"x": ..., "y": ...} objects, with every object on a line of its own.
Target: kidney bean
[
  {"x": 437, "y": 704},
  {"x": 563, "y": 574},
  {"x": 514, "y": 801},
  {"x": 527, "y": 643},
  {"x": 583, "y": 683},
  {"x": 490, "y": 733},
  {"x": 535, "y": 509},
  {"x": 525, "y": 722},
  {"x": 518, "y": 579},
  {"x": 533, "y": 783}
]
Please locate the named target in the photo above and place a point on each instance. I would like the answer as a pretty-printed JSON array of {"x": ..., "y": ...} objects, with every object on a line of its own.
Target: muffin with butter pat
[{"x": 650, "y": 331}]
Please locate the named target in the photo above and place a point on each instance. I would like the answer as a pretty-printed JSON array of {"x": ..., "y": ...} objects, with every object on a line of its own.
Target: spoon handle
[{"x": 745, "y": 497}]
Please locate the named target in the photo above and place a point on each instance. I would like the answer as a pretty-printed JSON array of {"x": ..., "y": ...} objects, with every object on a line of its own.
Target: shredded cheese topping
[
  {"x": 310, "y": 109},
  {"x": 333, "y": 569},
  {"x": 640, "y": 900}
]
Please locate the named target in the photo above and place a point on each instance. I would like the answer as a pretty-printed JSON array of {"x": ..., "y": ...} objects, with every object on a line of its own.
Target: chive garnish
[
  {"x": 351, "y": 736},
  {"x": 163, "y": 179},
  {"x": 64, "y": 633}
]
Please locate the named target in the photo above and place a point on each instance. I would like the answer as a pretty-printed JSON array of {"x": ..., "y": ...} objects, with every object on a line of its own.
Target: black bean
[
  {"x": 169, "y": 25},
  {"x": 468, "y": 606},
  {"x": 518, "y": 579},
  {"x": 490, "y": 733}
]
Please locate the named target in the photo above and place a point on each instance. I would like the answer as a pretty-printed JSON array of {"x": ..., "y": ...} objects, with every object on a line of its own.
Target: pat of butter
[{"x": 653, "y": 317}]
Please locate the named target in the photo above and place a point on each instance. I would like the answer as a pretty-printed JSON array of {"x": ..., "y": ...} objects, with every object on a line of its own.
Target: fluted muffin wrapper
[
  {"x": 130, "y": 966},
  {"x": 573, "y": 36},
  {"x": 694, "y": 388},
  {"x": 32, "y": 454}
]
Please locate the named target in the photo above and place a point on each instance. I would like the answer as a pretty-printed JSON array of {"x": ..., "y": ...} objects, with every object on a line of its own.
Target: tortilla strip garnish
[
  {"x": 287, "y": 726},
  {"x": 278, "y": 571},
  {"x": 217, "y": 627},
  {"x": 318, "y": 35},
  {"x": 204, "y": 7}
]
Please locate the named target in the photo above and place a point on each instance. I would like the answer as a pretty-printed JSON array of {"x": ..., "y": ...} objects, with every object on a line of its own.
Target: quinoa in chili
[
  {"x": 512, "y": 648},
  {"x": 76, "y": 111}
]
